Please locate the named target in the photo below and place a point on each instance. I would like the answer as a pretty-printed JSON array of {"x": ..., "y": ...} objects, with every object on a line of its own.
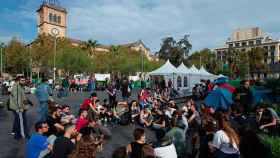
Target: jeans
[
  {"x": 220, "y": 154},
  {"x": 17, "y": 127},
  {"x": 42, "y": 110}
]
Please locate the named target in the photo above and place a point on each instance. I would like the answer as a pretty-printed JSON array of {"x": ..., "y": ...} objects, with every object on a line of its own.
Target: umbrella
[
  {"x": 227, "y": 87},
  {"x": 219, "y": 98},
  {"x": 222, "y": 79}
]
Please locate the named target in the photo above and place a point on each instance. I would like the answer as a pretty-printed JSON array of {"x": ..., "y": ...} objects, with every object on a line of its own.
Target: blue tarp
[{"x": 219, "y": 98}]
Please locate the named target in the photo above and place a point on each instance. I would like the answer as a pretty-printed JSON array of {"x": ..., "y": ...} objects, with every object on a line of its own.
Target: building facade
[
  {"x": 244, "y": 39},
  {"x": 50, "y": 16}
]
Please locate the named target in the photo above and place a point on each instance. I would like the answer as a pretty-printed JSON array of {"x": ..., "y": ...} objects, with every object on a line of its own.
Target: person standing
[
  {"x": 90, "y": 85},
  {"x": 111, "y": 91},
  {"x": 18, "y": 105},
  {"x": 244, "y": 96},
  {"x": 124, "y": 89},
  {"x": 65, "y": 86},
  {"x": 43, "y": 92}
]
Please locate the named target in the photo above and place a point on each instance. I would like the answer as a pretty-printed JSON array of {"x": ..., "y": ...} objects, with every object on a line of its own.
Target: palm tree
[{"x": 90, "y": 45}]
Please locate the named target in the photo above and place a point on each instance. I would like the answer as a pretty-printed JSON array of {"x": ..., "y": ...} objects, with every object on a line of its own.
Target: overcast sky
[{"x": 208, "y": 22}]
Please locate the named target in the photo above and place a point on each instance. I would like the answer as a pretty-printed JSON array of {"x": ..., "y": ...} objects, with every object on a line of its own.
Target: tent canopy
[
  {"x": 166, "y": 69},
  {"x": 203, "y": 71},
  {"x": 182, "y": 69},
  {"x": 194, "y": 70}
]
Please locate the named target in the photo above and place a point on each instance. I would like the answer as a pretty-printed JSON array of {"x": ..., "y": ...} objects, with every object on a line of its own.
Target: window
[
  {"x": 237, "y": 44},
  {"x": 59, "y": 19},
  {"x": 179, "y": 81},
  {"x": 251, "y": 43},
  {"x": 185, "y": 81},
  {"x": 55, "y": 18},
  {"x": 230, "y": 45},
  {"x": 50, "y": 17},
  {"x": 258, "y": 41},
  {"x": 272, "y": 48},
  {"x": 244, "y": 44}
]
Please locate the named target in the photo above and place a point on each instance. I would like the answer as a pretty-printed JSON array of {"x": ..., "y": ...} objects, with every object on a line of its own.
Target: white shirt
[
  {"x": 221, "y": 141},
  {"x": 166, "y": 151}
]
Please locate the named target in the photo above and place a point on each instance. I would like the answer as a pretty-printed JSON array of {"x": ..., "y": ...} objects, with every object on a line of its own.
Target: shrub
[{"x": 274, "y": 143}]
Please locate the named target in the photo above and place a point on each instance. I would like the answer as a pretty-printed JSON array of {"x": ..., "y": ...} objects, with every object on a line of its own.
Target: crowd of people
[{"x": 188, "y": 130}]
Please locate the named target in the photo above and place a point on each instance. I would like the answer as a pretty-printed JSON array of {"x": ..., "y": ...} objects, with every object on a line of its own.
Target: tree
[
  {"x": 185, "y": 45},
  {"x": 90, "y": 45},
  {"x": 74, "y": 60},
  {"x": 206, "y": 58},
  {"x": 174, "y": 51},
  {"x": 16, "y": 57},
  {"x": 256, "y": 60}
]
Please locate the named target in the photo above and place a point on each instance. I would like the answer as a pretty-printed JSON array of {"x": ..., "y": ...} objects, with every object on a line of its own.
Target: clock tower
[{"x": 51, "y": 16}]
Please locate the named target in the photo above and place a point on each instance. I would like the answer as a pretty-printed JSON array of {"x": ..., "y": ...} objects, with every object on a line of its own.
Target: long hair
[{"x": 224, "y": 125}]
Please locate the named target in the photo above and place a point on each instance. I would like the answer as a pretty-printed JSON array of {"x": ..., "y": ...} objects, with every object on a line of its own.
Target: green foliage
[
  {"x": 16, "y": 57},
  {"x": 274, "y": 142},
  {"x": 173, "y": 50},
  {"x": 205, "y": 58},
  {"x": 122, "y": 60},
  {"x": 73, "y": 60}
]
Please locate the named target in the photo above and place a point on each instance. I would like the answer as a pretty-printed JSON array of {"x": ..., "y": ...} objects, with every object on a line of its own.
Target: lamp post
[
  {"x": 30, "y": 63},
  {"x": 2, "y": 46},
  {"x": 54, "y": 33}
]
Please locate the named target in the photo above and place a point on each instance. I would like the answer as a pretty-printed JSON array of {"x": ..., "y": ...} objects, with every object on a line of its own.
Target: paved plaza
[{"x": 10, "y": 148}]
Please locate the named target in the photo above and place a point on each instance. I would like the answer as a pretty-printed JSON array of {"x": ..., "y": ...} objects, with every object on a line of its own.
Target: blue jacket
[
  {"x": 35, "y": 145},
  {"x": 43, "y": 92}
]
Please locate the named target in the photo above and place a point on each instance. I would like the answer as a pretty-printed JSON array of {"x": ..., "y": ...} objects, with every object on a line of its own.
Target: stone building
[{"x": 244, "y": 39}]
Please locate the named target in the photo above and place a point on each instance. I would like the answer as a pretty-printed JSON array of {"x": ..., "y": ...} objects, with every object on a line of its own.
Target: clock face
[{"x": 55, "y": 31}]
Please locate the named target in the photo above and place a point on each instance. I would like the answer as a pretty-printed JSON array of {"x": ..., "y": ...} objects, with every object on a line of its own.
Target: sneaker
[{"x": 12, "y": 133}]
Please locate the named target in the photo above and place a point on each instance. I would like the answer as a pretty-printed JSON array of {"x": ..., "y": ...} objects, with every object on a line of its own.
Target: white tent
[
  {"x": 182, "y": 69},
  {"x": 166, "y": 69},
  {"x": 204, "y": 72},
  {"x": 183, "y": 77},
  {"x": 206, "y": 75},
  {"x": 194, "y": 70}
]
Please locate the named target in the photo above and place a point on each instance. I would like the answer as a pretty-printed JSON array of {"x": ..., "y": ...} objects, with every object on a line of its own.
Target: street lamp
[
  {"x": 54, "y": 32},
  {"x": 1, "y": 60}
]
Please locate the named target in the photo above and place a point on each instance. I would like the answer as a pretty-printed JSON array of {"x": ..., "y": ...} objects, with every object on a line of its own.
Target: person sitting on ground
[
  {"x": 164, "y": 147},
  {"x": 252, "y": 146},
  {"x": 38, "y": 142},
  {"x": 82, "y": 121},
  {"x": 134, "y": 111},
  {"x": 225, "y": 143},
  {"x": 86, "y": 147},
  {"x": 120, "y": 153},
  {"x": 66, "y": 116},
  {"x": 135, "y": 149},
  {"x": 161, "y": 122},
  {"x": 173, "y": 105},
  {"x": 145, "y": 117},
  {"x": 63, "y": 146},
  {"x": 53, "y": 121},
  {"x": 178, "y": 136},
  {"x": 267, "y": 119}
]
